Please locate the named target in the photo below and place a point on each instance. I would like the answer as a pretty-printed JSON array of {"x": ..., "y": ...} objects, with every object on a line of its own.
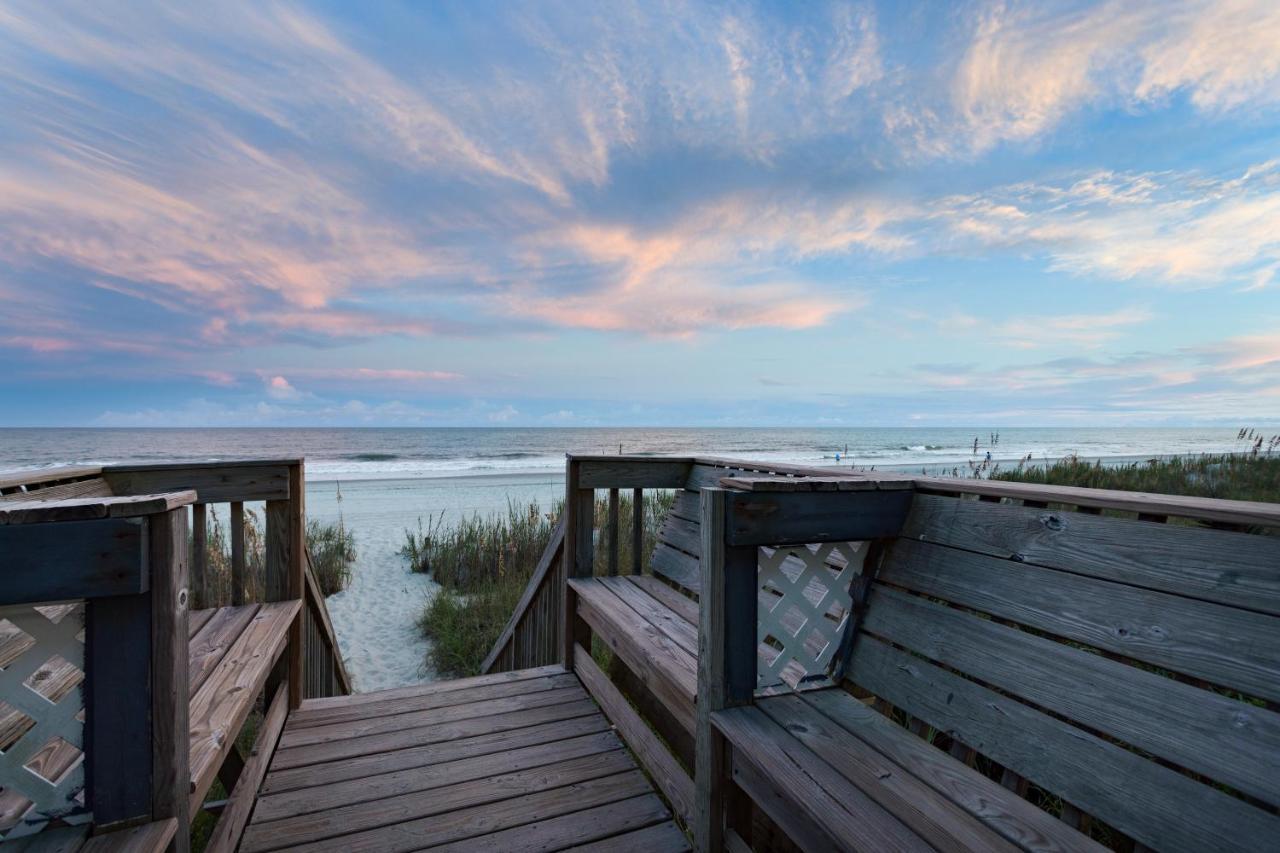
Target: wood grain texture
[
  {"x": 36, "y": 479},
  {"x": 1222, "y": 566},
  {"x": 666, "y": 669},
  {"x": 657, "y": 761},
  {"x": 1209, "y": 509},
  {"x": 659, "y": 838},
  {"x": 431, "y": 687},
  {"x": 213, "y": 483},
  {"x": 913, "y": 801},
  {"x": 384, "y": 822},
  {"x": 800, "y": 800},
  {"x": 72, "y": 559},
  {"x": 1230, "y": 647},
  {"x": 220, "y": 707},
  {"x": 1003, "y": 810},
  {"x": 431, "y": 734},
  {"x": 1151, "y": 803},
  {"x": 637, "y": 472},
  {"x": 1228, "y": 740},
  {"x": 424, "y": 755},
  {"x": 41, "y": 509},
  {"x": 576, "y": 828},
  {"x": 682, "y": 605},
  {"x": 240, "y": 804},
  {"x": 684, "y": 634},
  {"x": 798, "y": 518},
  {"x": 222, "y": 627},
  {"x": 677, "y": 566},
  {"x": 170, "y": 755},
  {"x": 151, "y": 838}
]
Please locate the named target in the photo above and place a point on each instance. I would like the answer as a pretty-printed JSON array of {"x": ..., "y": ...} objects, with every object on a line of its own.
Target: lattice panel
[
  {"x": 41, "y": 717},
  {"x": 805, "y": 604}
]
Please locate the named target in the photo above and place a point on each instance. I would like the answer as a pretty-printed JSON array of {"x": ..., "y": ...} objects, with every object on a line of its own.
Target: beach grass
[
  {"x": 483, "y": 563},
  {"x": 1241, "y": 476},
  {"x": 331, "y": 546}
]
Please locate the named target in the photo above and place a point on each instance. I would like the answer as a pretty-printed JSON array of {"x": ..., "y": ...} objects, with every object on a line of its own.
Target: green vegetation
[
  {"x": 1235, "y": 476},
  {"x": 484, "y": 563},
  {"x": 331, "y": 546}
]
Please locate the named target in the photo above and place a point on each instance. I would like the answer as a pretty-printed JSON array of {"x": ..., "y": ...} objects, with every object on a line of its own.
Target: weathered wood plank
[
  {"x": 1228, "y": 740},
  {"x": 659, "y": 838},
  {"x": 38, "y": 476},
  {"x": 646, "y": 607},
  {"x": 217, "y": 482},
  {"x": 197, "y": 619},
  {"x": 71, "y": 559},
  {"x": 67, "y": 839},
  {"x": 385, "y": 821},
  {"x": 1208, "y": 509},
  {"x": 797, "y": 518},
  {"x": 1221, "y": 566},
  {"x": 384, "y": 785},
  {"x": 933, "y": 817},
  {"x": 296, "y": 578},
  {"x": 1233, "y": 648},
  {"x": 150, "y": 838},
  {"x": 117, "y": 656},
  {"x": 433, "y": 734},
  {"x": 210, "y": 645},
  {"x": 677, "y": 566},
  {"x": 92, "y": 487},
  {"x": 239, "y": 578},
  {"x": 1145, "y": 800},
  {"x": 507, "y": 741},
  {"x": 631, "y": 472},
  {"x": 681, "y": 534},
  {"x": 427, "y": 689},
  {"x": 324, "y": 627},
  {"x": 318, "y": 734},
  {"x": 682, "y": 605},
  {"x": 576, "y": 828},
  {"x": 1002, "y": 809},
  {"x": 168, "y": 687},
  {"x": 303, "y": 721},
  {"x": 243, "y": 799},
  {"x": 666, "y": 669},
  {"x": 222, "y": 704},
  {"x": 800, "y": 785},
  {"x": 726, "y": 662},
  {"x": 657, "y": 761}
]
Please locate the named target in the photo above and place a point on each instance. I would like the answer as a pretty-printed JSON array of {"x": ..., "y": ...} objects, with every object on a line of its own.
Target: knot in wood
[{"x": 1051, "y": 521}]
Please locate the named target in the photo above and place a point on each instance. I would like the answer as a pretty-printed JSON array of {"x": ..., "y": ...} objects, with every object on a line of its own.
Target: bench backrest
[{"x": 1129, "y": 667}]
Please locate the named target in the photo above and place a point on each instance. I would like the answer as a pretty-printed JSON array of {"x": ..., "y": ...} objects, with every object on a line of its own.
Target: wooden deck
[{"x": 523, "y": 760}]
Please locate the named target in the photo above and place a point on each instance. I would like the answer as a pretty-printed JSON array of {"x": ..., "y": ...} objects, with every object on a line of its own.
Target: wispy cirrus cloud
[{"x": 1030, "y": 66}]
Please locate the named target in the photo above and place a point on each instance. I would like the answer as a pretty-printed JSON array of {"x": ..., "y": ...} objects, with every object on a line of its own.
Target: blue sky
[{"x": 639, "y": 213}]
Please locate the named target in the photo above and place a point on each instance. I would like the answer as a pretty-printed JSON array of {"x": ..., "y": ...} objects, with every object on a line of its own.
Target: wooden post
[
  {"x": 637, "y": 531},
  {"x": 613, "y": 532},
  {"x": 726, "y": 662},
  {"x": 199, "y": 557},
  {"x": 297, "y": 568},
  {"x": 239, "y": 583},
  {"x": 578, "y": 556},
  {"x": 170, "y": 732}
]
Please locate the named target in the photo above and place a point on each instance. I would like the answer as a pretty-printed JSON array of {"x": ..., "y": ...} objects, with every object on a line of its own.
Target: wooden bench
[{"x": 1019, "y": 676}]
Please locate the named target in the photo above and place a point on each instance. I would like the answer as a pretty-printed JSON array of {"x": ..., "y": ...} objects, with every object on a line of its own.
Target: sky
[{"x": 650, "y": 213}]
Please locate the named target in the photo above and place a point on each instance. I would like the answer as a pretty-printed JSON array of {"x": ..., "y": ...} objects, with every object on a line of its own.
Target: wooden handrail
[
  {"x": 550, "y": 557},
  {"x": 320, "y": 611}
]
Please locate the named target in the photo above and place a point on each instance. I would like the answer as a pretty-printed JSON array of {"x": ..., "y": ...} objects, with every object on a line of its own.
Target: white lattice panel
[
  {"x": 41, "y": 716},
  {"x": 804, "y": 609}
]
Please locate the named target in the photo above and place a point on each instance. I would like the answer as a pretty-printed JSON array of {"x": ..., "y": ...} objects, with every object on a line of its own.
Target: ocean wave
[
  {"x": 372, "y": 457},
  {"x": 919, "y": 448}
]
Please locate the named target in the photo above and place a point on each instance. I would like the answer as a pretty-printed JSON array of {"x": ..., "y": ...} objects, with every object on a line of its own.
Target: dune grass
[
  {"x": 331, "y": 546},
  {"x": 484, "y": 563},
  {"x": 1243, "y": 477}
]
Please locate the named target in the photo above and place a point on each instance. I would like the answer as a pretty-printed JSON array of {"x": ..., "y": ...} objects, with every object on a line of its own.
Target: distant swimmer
[
  {"x": 988, "y": 455},
  {"x": 975, "y": 445},
  {"x": 837, "y": 456}
]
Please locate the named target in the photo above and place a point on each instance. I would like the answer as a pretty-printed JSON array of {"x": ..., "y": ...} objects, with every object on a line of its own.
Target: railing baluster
[
  {"x": 613, "y": 532},
  {"x": 200, "y": 557},
  {"x": 238, "y": 580},
  {"x": 637, "y": 531}
]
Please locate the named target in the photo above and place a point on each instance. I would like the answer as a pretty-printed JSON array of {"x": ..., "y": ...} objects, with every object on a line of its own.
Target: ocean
[{"x": 382, "y": 481}]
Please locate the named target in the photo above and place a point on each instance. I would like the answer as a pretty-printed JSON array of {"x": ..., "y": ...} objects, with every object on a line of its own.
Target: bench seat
[
  {"x": 653, "y": 629},
  {"x": 835, "y": 774}
]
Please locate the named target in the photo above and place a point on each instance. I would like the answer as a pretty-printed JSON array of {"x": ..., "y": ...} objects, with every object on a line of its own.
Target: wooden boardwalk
[{"x": 523, "y": 760}]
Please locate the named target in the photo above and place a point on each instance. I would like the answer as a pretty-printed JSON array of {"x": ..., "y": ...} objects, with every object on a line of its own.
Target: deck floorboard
[{"x": 510, "y": 764}]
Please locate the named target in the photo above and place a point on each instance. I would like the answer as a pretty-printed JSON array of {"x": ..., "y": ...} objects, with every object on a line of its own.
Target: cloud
[
  {"x": 1182, "y": 229},
  {"x": 278, "y": 388},
  {"x": 1028, "y": 67},
  {"x": 375, "y": 374},
  {"x": 503, "y": 415}
]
